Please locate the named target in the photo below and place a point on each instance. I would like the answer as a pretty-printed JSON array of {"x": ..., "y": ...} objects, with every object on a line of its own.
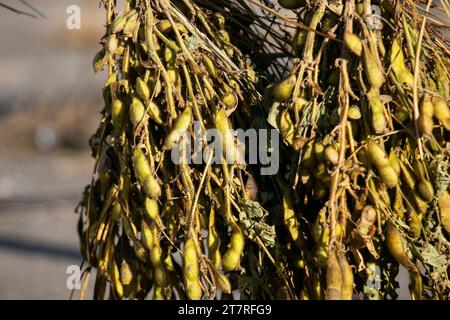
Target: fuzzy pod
[
  {"x": 152, "y": 187},
  {"x": 397, "y": 59},
  {"x": 193, "y": 290},
  {"x": 444, "y": 211},
  {"x": 223, "y": 125},
  {"x": 142, "y": 89},
  {"x": 334, "y": 278},
  {"x": 118, "y": 112},
  {"x": 389, "y": 176},
  {"x": 118, "y": 24},
  {"x": 394, "y": 162},
  {"x": 137, "y": 112},
  {"x": 141, "y": 166},
  {"x": 213, "y": 240},
  {"x": 441, "y": 110},
  {"x": 347, "y": 277},
  {"x": 116, "y": 281},
  {"x": 426, "y": 190},
  {"x": 332, "y": 154},
  {"x": 229, "y": 100},
  {"x": 146, "y": 235},
  {"x": 372, "y": 68},
  {"x": 286, "y": 126},
  {"x": 165, "y": 27},
  {"x": 209, "y": 66},
  {"x": 232, "y": 257},
  {"x": 152, "y": 209},
  {"x": 354, "y": 112},
  {"x": 426, "y": 122},
  {"x": 190, "y": 262},
  {"x": 353, "y": 43},
  {"x": 282, "y": 90},
  {"x": 179, "y": 129},
  {"x": 379, "y": 122},
  {"x": 126, "y": 274},
  {"x": 154, "y": 112},
  {"x": 397, "y": 248},
  {"x": 377, "y": 155}
]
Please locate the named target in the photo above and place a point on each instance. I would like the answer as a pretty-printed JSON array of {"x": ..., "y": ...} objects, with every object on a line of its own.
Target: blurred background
[{"x": 50, "y": 101}]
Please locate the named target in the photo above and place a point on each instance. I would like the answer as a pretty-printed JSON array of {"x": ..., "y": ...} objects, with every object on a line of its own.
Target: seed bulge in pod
[
  {"x": 230, "y": 100},
  {"x": 190, "y": 261},
  {"x": 118, "y": 24},
  {"x": 116, "y": 212},
  {"x": 131, "y": 24},
  {"x": 395, "y": 163},
  {"x": 152, "y": 187},
  {"x": 118, "y": 115},
  {"x": 142, "y": 89},
  {"x": 165, "y": 27},
  {"x": 193, "y": 290},
  {"x": 292, "y": 4},
  {"x": 334, "y": 278},
  {"x": 353, "y": 43},
  {"x": 112, "y": 43},
  {"x": 154, "y": 112},
  {"x": 388, "y": 176},
  {"x": 125, "y": 273},
  {"x": 146, "y": 235},
  {"x": 354, "y": 113},
  {"x": 282, "y": 90},
  {"x": 398, "y": 65},
  {"x": 116, "y": 280},
  {"x": 444, "y": 211},
  {"x": 170, "y": 56},
  {"x": 140, "y": 164},
  {"x": 209, "y": 66},
  {"x": 179, "y": 129},
  {"x": 372, "y": 68},
  {"x": 426, "y": 190},
  {"x": 152, "y": 209},
  {"x": 397, "y": 248},
  {"x": 377, "y": 155},
  {"x": 137, "y": 111},
  {"x": 426, "y": 116},
  {"x": 347, "y": 278},
  {"x": 223, "y": 283},
  {"x": 139, "y": 251},
  {"x": 232, "y": 257},
  {"x": 441, "y": 109},
  {"x": 332, "y": 154}
]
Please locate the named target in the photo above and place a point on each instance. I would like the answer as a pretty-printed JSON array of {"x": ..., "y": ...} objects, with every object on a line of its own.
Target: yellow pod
[
  {"x": 154, "y": 112},
  {"x": 426, "y": 116},
  {"x": 180, "y": 128},
  {"x": 232, "y": 257},
  {"x": 415, "y": 285},
  {"x": 115, "y": 275},
  {"x": 347, "y": 278},
  {"x": 209, "y": 66},
  {"x": 379, "y": 122},
  {"x": 193, "y": 290},
  {"x": 389, "y": 176},
  {"x": 170, "y": 56},
  {"x": 444, "y": 211},
  {"x": 426, "y": 190},
  {"x": 118, "y": 24},
  {"x": 165, "y": 27},
  {"x": 286, "y": 126},
  {"x": 281, "y": 91},
  {"x": 395, "y": 163},
  {"x": 190, "y": 261},
  {"x": 116, "y": 212},
  {"x": 142, "y": 89},
  {"x": 213, "y": 240},
  {"x": 398, "y": 66},
  {"x": 146, "y": 235},
  {"x": 334, "y": 278},
  {"x": 397, "y": 249},
  {"x": 160, "y": 277},
  {"x": 372, "y": 68},
  {"x": 152, "y": 209},
  {"x": 137, "y": 111},
  {"x": 377, "y": 155},
  {"x": 354, "y": 112},
  {"x": 223, "y": 283},
  {"x": 118, "y": 115},
  {"x": 353, "y": 43},
  {"x": 126, "y": 275},
  {"x": 441, "y": 110},
  {"x": 229, "y": 100},
  {"x": 152, "y": 187},
  {"x": 223, "y": 125},
  {"x": 140, "y": 164},
  {"x": 332, "y": 154}
]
